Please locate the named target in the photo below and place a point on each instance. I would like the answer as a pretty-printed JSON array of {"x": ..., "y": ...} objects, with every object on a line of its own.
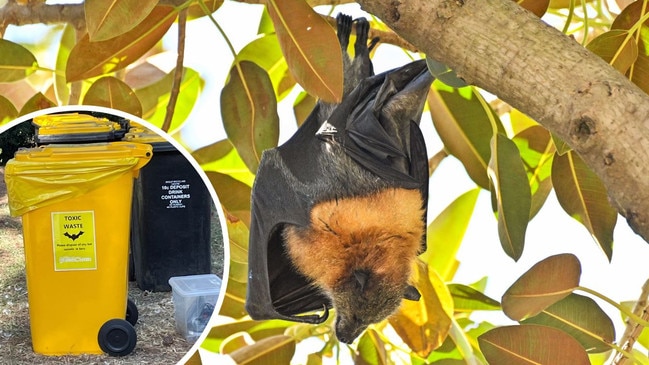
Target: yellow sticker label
[{"x": 73, "y": 235}]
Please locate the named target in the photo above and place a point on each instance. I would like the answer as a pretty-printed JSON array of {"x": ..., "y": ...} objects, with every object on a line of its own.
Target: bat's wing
[
  {"x": 275, "y": 288},
  {"x": 373, "y": 132},
  {"x": 380, "y": 120}
]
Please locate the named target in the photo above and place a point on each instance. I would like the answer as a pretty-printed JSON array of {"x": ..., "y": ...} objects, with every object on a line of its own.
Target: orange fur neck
[{"x": 381, "y": 232}]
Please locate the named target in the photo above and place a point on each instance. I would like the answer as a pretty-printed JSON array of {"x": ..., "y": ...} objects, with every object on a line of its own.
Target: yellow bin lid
[
  {"x": 74, "y": 128},
  {"x": 40, "y": 176}
]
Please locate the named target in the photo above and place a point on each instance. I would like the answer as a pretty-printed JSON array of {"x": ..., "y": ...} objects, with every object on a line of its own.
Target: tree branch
[
  {"x": 178, "y": 72},
  {"x": 504, "y": 49},
  {"x": 633, "y": 329}
]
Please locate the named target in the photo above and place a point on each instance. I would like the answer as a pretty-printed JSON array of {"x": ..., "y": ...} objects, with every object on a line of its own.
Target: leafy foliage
[{"x": 110, "y": 63}]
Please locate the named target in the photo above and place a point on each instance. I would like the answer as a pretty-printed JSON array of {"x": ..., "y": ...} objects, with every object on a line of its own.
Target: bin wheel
[
  {"x": 117, "y": 337},
  {"x": 132, "y": 313}
]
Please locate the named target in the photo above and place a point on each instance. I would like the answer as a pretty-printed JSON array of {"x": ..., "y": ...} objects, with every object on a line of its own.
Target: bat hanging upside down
[{"x": 339, "y": 210}]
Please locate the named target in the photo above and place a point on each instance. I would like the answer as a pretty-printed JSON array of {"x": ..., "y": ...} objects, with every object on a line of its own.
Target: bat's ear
[
  {"x": 361, "y": 277},
  {"x": 411, "y": 293}
]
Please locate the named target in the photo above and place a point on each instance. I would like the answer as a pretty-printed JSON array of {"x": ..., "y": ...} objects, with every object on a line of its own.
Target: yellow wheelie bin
[{"x": 75, "y": 203}]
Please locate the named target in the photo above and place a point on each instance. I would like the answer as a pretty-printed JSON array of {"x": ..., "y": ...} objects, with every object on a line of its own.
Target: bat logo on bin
[{"x": 73, "y": 236}]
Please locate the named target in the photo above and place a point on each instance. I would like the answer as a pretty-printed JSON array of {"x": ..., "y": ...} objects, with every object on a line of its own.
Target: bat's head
[
  {"x": 365, "y": 298},
  {"x": 360, "y": 251}
]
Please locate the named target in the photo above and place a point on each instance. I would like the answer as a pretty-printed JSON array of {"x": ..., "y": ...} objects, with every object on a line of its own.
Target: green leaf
[
  {"x": 223, "y": 158},
  {"x": 155, "y": 97},
  {"x": 111, "y": 92},
  {"x": 234, "y": 195},
  {"x": 195, "y": 11},
  {"x": 68, "y": 39},
  {"x": 583, "y": 196},
  {"x": 444, "y": 74},
  {"x": 266, "y": 53},
  {"x": 249, "y": 112},
  {"x": 424, "y": 324},
  {"x": 467, "y": 299},
  {"x": 617, "y": 47},
  {"x": 511, "y": 192},
  {"x": 36, "y": 102},
  {"x": 16, "y": 62},
  {"x": 8, "y": 111},
  {"x": 212, "y": 152},
  {"x": 88, "y": 59},
  {"x": 371, "y": 349},
  {"x": 303, "y": 106},
  {"x": 444, "y": 234},
  {"x": 581, "y": 318},
  {"x": 277, "y": 349},
  {"x": 638, "y": 72},
  {"x": 560, "y": 145},
  {"x": 544, "y": 284},
  {"x": 310, "y": 46},
  {"x": 538, "y": 7},
  {"x": 235, "y": 294},
  {"x": 531, "y": 344},
  {"x": 464, "y": 127},
  {"x": 109, "y": 19},
  {"x": 256, "y": 329},
  {"x": 537, "y": 150}
]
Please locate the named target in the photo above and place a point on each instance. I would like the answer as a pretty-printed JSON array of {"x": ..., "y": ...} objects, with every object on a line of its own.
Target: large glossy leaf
[
  {"x": 537, "y": 150},
  {"x": 111, "y": 92},
  {"x": 310, "y": 47},
  {"x": 249, "y": 112},
  {"x": 106, "y": 19},
  {"x": 16, "y": 62},
  {"x": 266, "y": 53},
  {"x": 467, "y": 299},
  {"x": 195, "y": 10},
  {"x": 445, "y": 234},
  {"x": 235, "y": 294},
  {"x": 36, "y": 102},
  {"x": 424, "y": 324},
  {"x": 544, "y": 284},
  {"x": 562, "y": 4},
  {"x": 155, "y": 97},
  {"x": 617, "y": 47},
  {"x": 511, "y": 193},
  {"x": 583, "y": 196},
  {"x": 222, "y": 157},
  {"x": 277, "y": 349},
  {"x": 581, "y": 318},
  {"x": 531, "y": 344},
  {"x": 257, "y": 330},
  {"x": 89, "y": 59},
  {"x": 212, "y": 152},
  {"x": 371, "y": 349},
  {"x": 463, "y": 125},
  {"x": 68, "y": 40},
  {"x": 538, "y": 7},
  {"x": 444, "y": 74},
  {"x": 233, "y": 195},
  {"x": 8, "y": 111},
  {"x": 303, "y": 106},
  {"x": 639, "y": 70}
]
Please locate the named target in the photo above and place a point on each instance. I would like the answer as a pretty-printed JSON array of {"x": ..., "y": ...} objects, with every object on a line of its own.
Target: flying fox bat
[{"x": 338, "y": 212}]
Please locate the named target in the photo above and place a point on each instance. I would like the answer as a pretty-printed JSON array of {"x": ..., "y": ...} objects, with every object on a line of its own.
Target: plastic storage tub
[
  {"x": 170, "y": 231},
  {"x": 75, "y": 202},
  {"x": 194, "y": 299}
]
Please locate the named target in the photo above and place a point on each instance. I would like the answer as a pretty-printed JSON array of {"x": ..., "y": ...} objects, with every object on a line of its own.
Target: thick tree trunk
[{"x": 502, "y": 48}]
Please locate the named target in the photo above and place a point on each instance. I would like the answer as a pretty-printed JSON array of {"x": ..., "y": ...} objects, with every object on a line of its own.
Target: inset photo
[{"x": 112, "y": 241}]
